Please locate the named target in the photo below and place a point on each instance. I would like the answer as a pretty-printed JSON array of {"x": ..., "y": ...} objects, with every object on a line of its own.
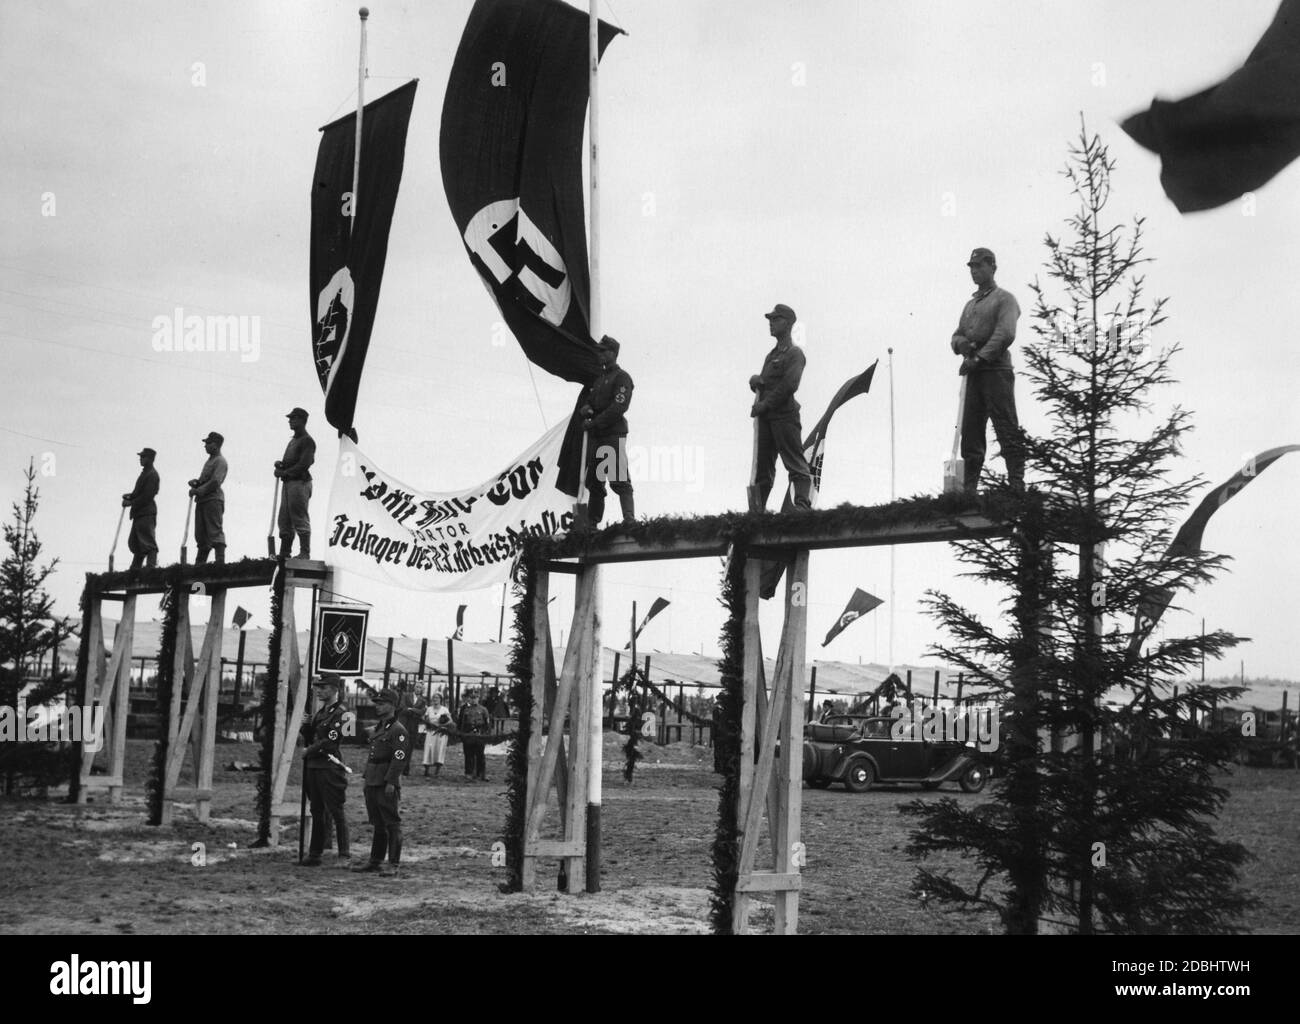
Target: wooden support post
[
  {"x": 936, "y": 687},
  {"x": 208, "y": 737},
  {"x": 812, "y": 694},
  {"x": 239, "y": 668},
  {"x": 542, "y": 663},
  {"x": 453, "y": 684},
  {"x": 388, "y": 660},
  {"x": 424, "y": 653},
  {"x": 590, "y": 707},
  {"x": 752, "y": 671},
  {"x": 109, "y": 687}
]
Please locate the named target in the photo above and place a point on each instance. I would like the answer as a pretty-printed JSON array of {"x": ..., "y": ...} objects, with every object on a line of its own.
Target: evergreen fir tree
[
  {"x": 1103, "y": 796},
  {"x": 29, "y": 629}
]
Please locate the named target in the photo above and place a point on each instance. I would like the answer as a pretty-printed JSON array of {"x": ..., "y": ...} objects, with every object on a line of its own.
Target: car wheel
[
  {"x": 860, "y": 776},
  {"x": 822, "y": 783},
  {"x": 973, "y": 779}
]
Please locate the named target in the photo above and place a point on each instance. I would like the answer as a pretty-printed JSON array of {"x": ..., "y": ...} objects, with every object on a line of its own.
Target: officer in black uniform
[
  {"x": 323, "y": 773},
  {"x": 604, "y": 411},
  {"x": 390, "y": 748}
]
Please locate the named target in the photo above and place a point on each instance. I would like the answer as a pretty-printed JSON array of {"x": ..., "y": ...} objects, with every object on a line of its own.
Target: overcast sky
[{"x": 840, "y": 157}]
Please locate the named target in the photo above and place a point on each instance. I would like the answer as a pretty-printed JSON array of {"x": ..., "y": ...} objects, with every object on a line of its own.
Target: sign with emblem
[{"x": 341, "y": 638}]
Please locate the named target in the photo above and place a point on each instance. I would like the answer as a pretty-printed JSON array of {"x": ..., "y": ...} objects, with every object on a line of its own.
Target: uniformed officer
[
  {"x": 474, "y": 723},
  {"x": 210, "y": 501},
  {"x": 144, "y": 513},
  {"x": 604, "y": 411},
  {"x": 777, "y": 412},
  {"x": 295, "y": 470},
  {"x": 324, "y": 775},
  {"x": 390, "y": 746}
]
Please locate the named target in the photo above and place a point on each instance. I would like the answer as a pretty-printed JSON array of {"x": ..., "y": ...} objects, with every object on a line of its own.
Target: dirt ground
[{"x": 99, "y": 869}]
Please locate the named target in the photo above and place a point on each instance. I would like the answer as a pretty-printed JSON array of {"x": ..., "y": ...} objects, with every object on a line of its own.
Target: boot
[
  {"x": 304, "y": 545},
  {"x": 219, "y": 553},
  {"x": 629, "y": 509},
  {"x": 202, "y": 556},
  {"x": 286, "y": 543},
  {"x": 136, "y": 561},
  {"x": 151, "y": 560}
]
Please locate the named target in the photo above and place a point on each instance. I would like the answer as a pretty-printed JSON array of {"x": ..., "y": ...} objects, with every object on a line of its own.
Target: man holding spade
[
  {"x": 210, "y": 501},
  {"x": 983, "y": 339},
  {"x": 295, "y": 470}
]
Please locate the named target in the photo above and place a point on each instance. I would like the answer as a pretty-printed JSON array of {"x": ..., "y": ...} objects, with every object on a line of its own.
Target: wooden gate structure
[
  {"x": 191, "y": 717},
  {"x": 770, "y": 791}
]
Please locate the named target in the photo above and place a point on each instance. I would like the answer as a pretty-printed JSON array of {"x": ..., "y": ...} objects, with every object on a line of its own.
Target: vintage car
[{"x": 860, "y": 750}]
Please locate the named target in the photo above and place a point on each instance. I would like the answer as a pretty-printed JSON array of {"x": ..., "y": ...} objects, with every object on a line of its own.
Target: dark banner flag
[
  {"x": 511, "y": 151},
  {"x": 1188, "y": 539},
  {"x": 814, "y": 450},
  {"x": 1235, "y": 136},
  {"x": 460, "y": 623},
  {"x": 659, "y": 605},
  {"x": 240, "y": 617},
  {"x": 859, "y": 604},
  {"x": 347, "y": 257}
]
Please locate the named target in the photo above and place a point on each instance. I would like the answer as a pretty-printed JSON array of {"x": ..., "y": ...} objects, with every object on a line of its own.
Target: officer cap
[
  {"x": 148, "y": 452},
  {"x": 386, "y": 697},
  {"x": 327, "y": 679},
  {"x": 214, "y": 436},
  {"x": 982, "y": 255},
  {"x": 781, "y": 309},
  {"x": 296, "y": 411}
]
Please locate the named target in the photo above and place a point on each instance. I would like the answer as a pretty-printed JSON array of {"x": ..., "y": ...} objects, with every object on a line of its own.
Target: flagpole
[
  {"x": 595, "y": 735},
  {"x": 892, "y": 497},
  {"x": 364, "y": 13}
]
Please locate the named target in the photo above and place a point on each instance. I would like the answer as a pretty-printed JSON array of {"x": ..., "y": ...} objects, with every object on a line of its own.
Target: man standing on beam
[
  {"x": 983, "y": 338},
  {"x": 778, "y": 429}
]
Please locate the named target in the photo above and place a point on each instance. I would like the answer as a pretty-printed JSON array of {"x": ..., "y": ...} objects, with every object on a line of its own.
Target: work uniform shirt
[
  {"x": 323, "y": 734},
  {"x": 609, "y": 396},
  {"x": 779, "y": 380},
  {"x": 474, "y": 718},
  {"x": 389, "y": 745},
  {"x": 142, "y": 495},
  {"x": 988, "y": 321},
  {"x": 299, "y": 454},
  {"x": 212, "y": 476}
]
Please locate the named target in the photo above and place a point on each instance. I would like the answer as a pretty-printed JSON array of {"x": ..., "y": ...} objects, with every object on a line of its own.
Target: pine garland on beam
[
  {"x": 270, "y": 688},
  {"x": 726, "y": 837},
  {"x": 166, "y": 683},
  {"x": 521, "y": 697}
]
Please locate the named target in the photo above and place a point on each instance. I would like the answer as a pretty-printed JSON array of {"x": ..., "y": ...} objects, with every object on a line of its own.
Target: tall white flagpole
[
  {"x": 893, "y": 496},
  {"x": 364, "y": 13},
  {"x": 595, "y": 733}
]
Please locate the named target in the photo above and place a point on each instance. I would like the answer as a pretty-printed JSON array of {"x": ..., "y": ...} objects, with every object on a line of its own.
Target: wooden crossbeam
[
  {"x": 777, "y": 537},
  {"x": 769, "y": 881}
]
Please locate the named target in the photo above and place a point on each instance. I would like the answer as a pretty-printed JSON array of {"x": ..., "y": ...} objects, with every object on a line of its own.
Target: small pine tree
[
  {"x": 29, "y": 628},
  {"x": 1100, "y": 821}
]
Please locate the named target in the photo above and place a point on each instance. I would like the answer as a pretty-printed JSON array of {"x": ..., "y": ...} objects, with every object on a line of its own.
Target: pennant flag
[
  {"x": 1188, "y": 539},
  {"x": 1235, "y": 136},
  {"x": 659, "y": 605},
  {"x": 511, "y": 153},
  {"x": 460, "y": 623},
  {"x": 240, "y": 617},
  {"x": 347, "y": 254},
  {"x": 859, "y": 604},
  {"x": 814, "y": 450}
]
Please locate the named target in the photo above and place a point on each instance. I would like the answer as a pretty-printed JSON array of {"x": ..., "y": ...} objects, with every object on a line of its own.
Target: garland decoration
[
  {"x": 270, "y": 689},
  {"x": 79, "y": 681},
  {"x": 521, "y": 697},
  {"x": 166, "y": 682},
  {"x": 726, "y": 741},
  {"x": 638, "y": 703}
]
